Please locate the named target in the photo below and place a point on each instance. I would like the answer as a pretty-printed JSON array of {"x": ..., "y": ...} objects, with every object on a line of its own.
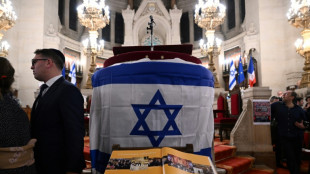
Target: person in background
[
  {"x": 273, "y": 99},
  {"x": 273, "y": 128},
  {"x": 280, "y": 95},
  {"x": 308, "y": 99},
  {"x": 300, "y": 101},
  {"x": 57, "y": 117},
  {"x": 290, "y": 129},
  {"x": 14, "y": 128},
  {"x": 307, "y": 105}
]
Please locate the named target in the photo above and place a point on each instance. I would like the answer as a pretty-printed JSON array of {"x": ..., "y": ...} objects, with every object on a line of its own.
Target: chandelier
[
  {"x": 7, "y": 21},
  {"x": 94, "y": 15},
  {"x": 209, "y": 14},
  {"x": 299, "y": 16}
]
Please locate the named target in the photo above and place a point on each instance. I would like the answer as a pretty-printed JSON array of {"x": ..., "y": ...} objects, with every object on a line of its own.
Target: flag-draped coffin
[{"x": 151, "y": 104}]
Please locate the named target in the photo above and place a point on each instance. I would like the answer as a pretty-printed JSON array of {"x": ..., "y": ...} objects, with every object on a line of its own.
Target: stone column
[
  {"x": 175, "y": 15},
  {"x": 191, "y": 26},
  {"x": 128, "y": 15},
  {"x": 112, "y": 25}
]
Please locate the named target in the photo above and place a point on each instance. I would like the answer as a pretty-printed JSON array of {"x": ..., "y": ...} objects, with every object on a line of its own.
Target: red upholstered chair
[
  {"x": 235, "y": 104},
  {"x": 221, "y": 118}
]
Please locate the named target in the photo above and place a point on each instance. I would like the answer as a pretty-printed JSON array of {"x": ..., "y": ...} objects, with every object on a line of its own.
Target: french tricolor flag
[{"x": 251, "y": 73}]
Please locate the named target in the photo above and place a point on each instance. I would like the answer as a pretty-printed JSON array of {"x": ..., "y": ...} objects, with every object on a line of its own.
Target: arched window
[
  {"x": 231, "y": 14},
  {"x": 73, "y": 15},
  {"x": 197, "y": 32},
  {"x": 119, "y": 28},
  {"x": 185, "y": 28},
  {"x": 242, "y": 10},
  {"x": 61, "y": 11},
  {"x": 106, "y": 35}
]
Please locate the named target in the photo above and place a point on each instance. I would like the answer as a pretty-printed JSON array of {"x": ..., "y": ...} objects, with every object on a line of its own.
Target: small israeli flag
[
  {"x": 72, "y": 73},
  {"x": 63, "y": 72},
  {"x": 232, "y": 76}
]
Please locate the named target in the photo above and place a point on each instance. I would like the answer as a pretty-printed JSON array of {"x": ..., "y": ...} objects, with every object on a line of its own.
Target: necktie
[{"x": 42, "y": 88}]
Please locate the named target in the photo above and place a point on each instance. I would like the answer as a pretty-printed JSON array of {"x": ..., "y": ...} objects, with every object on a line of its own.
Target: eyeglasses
[{"x": 34, "y": 61}]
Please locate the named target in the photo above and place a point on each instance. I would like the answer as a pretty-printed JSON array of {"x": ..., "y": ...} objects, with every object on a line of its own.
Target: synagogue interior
[{"x": 265, "y": 35}]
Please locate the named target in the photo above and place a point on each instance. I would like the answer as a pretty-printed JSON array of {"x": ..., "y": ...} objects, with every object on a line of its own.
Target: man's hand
[{"x": 300, "y": 125}]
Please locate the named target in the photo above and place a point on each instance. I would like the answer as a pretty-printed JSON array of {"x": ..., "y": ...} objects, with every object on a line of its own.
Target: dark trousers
[
  {"x": 279, "y": 152},
  {"x": 292, "y": 149}
]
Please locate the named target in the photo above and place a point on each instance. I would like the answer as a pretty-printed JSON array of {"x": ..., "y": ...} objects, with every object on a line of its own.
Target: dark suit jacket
[{"x": 58, "y": 125}]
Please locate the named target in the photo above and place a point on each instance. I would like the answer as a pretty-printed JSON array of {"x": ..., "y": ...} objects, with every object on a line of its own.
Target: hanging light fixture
[
  {"x": 209, "y": 14},
  {"x": 299, "y": 16},
  {"x": 94, "y": 15},
  {"x": 7, "y": 21}
]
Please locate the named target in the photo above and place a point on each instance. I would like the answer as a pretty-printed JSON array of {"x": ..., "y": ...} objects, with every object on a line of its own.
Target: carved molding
[{"x": 152, "y": 8}]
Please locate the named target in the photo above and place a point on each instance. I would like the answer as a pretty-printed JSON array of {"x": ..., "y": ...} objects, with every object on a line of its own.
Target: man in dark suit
[
  {"x": 57, "y": 117},
  {"x": 290, "y": 129}
]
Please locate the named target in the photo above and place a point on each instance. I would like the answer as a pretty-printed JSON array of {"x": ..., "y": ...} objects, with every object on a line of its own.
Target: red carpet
[
  {"x": 259, "y": 171},
  {"x": 236, "y": 164},
  {"x": 223, "y": 151},
  {"x": 225, "y": 158},
  {"x": 218, "y": 142}
]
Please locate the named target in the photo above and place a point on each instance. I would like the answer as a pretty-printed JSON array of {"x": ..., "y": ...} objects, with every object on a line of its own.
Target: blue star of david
[
  {"x": 146, "y": 110},
  {"x": 232, "y": 72}
]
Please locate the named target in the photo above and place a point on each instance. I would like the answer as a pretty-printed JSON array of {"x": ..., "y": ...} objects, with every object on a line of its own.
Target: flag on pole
[
  {"x": 232, "y": 76},
  {"x": 150, "y": 104},
  {"x": 64, "y": 72},
  {"x": 72, "y": 73},
  {"x": 251, "y": 73},
  {"x": 240, "y": 72}
]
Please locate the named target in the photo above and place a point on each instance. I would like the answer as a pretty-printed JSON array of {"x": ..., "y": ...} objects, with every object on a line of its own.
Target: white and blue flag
[
  {"x": 72, "y": 73},
  {"x": 151, "y": 104},
  {"x": 232, "y": 76}
]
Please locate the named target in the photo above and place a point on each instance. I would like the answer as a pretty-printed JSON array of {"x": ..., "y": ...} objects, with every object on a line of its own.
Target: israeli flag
[
  {"x": 72, "y": 73},
  {"x": 63, "y": 72},
  {"x": 150, "y": 104},
  {"x": 232, "y": 76}
]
